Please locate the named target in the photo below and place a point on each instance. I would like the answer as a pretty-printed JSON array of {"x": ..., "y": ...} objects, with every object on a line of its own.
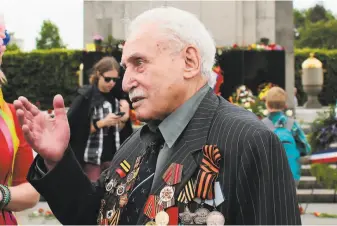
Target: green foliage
[
  {"x": 12, "y": 47},
  {"x": 325, "y": 175},
  {"x": 41, "y": 74},
  {"x": 321, "y": 34},
  {"x": 316, "y": 28},
  {"x": 328, "y": 94},
  {"x": 322, "y": 121},
  {"x": 49, "y": 37}
]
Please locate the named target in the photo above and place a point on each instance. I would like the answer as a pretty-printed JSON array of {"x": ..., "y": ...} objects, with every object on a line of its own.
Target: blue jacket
[{"x": 300, "y": 139}]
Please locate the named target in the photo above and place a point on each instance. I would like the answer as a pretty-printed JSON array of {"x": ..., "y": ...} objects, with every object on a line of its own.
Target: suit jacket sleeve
[
  {"x": 266, "y": 191},
  {"x": 73, "y": 199}
]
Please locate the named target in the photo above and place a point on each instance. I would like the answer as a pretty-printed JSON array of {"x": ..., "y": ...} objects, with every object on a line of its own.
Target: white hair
[{"x": 180, "y": 26}]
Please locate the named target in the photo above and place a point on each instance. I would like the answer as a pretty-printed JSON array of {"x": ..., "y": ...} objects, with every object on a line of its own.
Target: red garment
[{"x": 23, "y": 159}]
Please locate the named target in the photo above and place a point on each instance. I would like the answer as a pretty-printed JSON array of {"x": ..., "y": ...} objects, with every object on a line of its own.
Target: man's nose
[{"x": 128, "y": 81}]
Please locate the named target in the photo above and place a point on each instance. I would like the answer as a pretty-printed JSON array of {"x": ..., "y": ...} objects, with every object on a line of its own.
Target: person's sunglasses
[{"x": 108, "y": 79}]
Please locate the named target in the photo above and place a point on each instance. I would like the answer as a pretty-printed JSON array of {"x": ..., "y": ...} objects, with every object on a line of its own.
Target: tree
[
  {"x": 299, "y": 18},
  {"x": 315, "y": 28},
  {"x": 318, "y": 35},
  {"x": 318, "y": 13},
  {"x": 12, "y": 47},
  {"x": 49, "y": 37}
]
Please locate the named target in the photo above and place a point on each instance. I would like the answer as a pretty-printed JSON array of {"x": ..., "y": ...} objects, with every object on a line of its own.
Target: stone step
[
  {"x": 309, "y": 182},
  {"x": 316, "y": 196},
  {"x": 306, "y": 169}
]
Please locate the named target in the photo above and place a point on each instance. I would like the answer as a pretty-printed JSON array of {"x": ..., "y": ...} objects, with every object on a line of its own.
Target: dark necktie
[{"x": 142, "y": 187}]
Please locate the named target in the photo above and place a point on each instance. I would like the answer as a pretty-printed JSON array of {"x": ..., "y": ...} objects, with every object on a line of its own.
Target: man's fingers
[
  {"x": 21, "y": 116},
  {"x": 59, "y": 109},
  {"x": 28, "y": 135},
  {"x": 29, "y": 106}
]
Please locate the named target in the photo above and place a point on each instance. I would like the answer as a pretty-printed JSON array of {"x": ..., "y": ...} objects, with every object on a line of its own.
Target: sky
[{"x": 25, "y": 17}]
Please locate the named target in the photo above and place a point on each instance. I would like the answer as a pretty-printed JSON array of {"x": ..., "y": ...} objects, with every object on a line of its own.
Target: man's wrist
[{"x": 50, "y": 164}]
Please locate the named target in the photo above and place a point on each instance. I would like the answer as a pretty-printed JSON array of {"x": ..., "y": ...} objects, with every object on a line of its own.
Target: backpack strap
[
  {"x": 290, "y": 123},
  {"x": 269, "y": 123}
]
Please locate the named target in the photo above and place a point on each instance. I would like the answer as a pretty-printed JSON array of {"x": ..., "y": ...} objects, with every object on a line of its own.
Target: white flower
[
  {"x": 265, "y": 112},
  {"x": 247, "y": 105},
  {"x": 250, "y": 110},
  {"x": 289, "y": 113}
]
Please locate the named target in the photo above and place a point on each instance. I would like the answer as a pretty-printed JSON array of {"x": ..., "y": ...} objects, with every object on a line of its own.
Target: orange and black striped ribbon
[
  {"x": 151, "y": 207},
  {"x": 209, "y": 170},
  {"x": 187, "y": 194},
  {"x": 115, "y": 217}
]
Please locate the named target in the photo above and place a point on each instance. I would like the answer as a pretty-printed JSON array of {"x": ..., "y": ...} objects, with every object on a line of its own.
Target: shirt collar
[{"x": 174, "y": 124}]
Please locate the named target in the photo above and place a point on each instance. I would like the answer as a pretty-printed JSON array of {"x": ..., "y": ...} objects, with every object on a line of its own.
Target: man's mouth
[{"x": 136, "y": 99}]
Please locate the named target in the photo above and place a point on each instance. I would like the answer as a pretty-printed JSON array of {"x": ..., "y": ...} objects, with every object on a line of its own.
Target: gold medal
[
  {"x": 162, "y": 218},
  {"x": 150, "y": 223},
  {"x": 215, "y": 218}
]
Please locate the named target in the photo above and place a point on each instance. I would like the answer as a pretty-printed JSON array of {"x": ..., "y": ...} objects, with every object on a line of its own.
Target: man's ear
[{"x": 192, "y": 62}]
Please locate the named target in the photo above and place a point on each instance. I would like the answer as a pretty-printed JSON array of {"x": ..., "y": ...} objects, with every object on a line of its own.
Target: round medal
[
  {"x": 150, "y": 223},
  {"x": 201, "y": 215},
  {"x": 215, "y": 218},
  {"x": 166, "y": 194},
  {"x": 120, "y": 189},
  {"x": 162, "y": 218},
  {"x": 109, "y": 214},
  {"x": 110, "y": 185}
]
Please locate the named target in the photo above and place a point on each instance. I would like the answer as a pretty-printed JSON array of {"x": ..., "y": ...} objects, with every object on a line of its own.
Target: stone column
[{"x": 285, "y": 37}]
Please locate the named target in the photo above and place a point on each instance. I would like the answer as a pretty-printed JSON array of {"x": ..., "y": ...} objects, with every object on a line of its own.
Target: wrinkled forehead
[{"x": 147, "y": 41}]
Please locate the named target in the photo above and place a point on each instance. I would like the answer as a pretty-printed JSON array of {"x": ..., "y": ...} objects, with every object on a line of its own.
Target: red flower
[
  {"x": 235, "y": 46},
  {"x": 41, "y": 210},
  {"x": 317, "y": 214}
]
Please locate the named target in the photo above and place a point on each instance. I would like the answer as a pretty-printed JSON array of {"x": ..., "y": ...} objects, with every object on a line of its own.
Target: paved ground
[{"x": 307, "y": 219}]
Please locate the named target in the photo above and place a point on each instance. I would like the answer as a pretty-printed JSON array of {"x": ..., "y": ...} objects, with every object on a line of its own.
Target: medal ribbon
[
  {"x": 187, "y": 194},
  {"x": 173, "y": 174},
  {"x": 115, "y": 217},
  {"x": 151, "y": 207},
  {"x": 209, "y": 170}
]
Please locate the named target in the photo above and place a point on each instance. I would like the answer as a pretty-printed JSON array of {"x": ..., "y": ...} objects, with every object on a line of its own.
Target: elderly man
[{"x": 199, "y": 159}]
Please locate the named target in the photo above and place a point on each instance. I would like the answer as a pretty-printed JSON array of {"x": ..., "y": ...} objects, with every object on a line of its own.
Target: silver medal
[
  {"x": 112, "y": 184},
  {"x": 215, "y": 218},
  {"x": 187, "y": 217},
  {"x": 201, "y": 215}
]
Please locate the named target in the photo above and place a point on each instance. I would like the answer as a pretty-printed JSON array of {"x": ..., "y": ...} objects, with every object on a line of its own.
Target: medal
[
  {"x": 201, "y": 215},
  {"x": 151, "y": 207},
  {"x": 215, "y": 218},
  {"x": 162, "y": 218},
  {"x": 150, "y": 223},
  {"x": 112, "y": 184},
  {"x": 120, "y": 189},
  {"x": 187, "y": 217},
  {"x": 172, "y": 176},
  {"x": 166, "y": 194}
]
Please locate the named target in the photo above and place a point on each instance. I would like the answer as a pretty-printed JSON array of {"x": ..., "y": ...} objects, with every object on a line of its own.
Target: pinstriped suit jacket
[{"x": 254, "y": 174}]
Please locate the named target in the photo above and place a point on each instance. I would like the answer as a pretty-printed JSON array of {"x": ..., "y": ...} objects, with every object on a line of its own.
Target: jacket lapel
[{"x": 189, "y": 145}]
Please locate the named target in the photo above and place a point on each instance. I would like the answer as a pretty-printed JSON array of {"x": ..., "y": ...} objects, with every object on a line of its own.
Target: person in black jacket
[{"x": 94, "y": 124}]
